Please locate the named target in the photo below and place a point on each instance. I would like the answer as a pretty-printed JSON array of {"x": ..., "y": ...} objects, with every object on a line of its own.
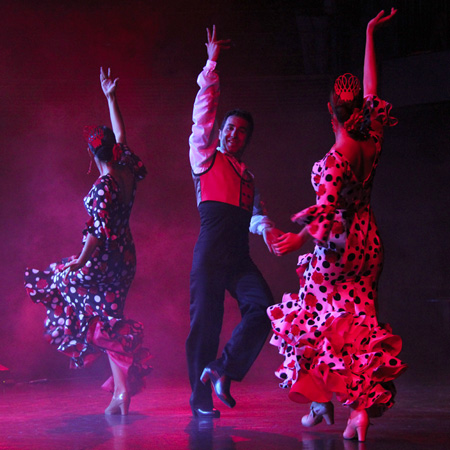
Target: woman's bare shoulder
[{"x": 349, "y": 149}]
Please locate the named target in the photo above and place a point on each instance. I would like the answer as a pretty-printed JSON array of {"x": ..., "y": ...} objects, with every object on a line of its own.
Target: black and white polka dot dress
[
  {"x": 328, "y": 333},
  {"x": 85, "y": 307}
]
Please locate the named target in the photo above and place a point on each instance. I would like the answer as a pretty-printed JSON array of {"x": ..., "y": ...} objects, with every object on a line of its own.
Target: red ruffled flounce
[
  {"x": 84, "y": 332},
  {"x": 348, "y": 354}
]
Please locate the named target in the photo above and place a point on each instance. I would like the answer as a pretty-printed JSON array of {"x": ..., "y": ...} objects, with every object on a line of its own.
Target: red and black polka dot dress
[
  {"x": 328, "y": 333},
  {"x": 85, "y": 307}
]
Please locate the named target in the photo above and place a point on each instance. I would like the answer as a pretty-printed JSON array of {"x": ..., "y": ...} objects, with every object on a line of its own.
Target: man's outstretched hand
[{"x": 214, "y": 46}]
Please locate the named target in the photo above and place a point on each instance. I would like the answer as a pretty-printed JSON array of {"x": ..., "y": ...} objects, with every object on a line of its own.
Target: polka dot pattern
[
  {"x": 328, "y": 333},
  {"x": 85, "y": 308}
]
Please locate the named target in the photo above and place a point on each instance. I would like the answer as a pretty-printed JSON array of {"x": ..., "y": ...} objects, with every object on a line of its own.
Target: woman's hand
[
  {"x": 271, "y": 236},
  {"x": 90, "y": 244},
  {"x": 289, "y": 242},
  {"x": 378, "y": 21},
  {"x": 107, "y": 83},
  {"x": 109, "y": 89},
  {"x": 370, "y": 80},
  {"x": 213, "y": 47},
  {"x": 74, "y": 265}
]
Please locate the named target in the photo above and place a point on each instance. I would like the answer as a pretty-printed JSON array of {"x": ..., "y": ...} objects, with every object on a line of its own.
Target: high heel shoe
[
  {"x": 221, "y": 385},
  {"x": 119, "y": 405},
  {"x": 318, "y": 412},
  {"x": 357, "y": 425}
]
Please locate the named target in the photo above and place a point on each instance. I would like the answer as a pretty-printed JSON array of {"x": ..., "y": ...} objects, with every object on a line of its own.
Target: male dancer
[{"x": 228, "y": 207}]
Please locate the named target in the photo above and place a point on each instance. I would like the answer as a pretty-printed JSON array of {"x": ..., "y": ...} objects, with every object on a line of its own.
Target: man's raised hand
[{"x": 214, "y": 46}]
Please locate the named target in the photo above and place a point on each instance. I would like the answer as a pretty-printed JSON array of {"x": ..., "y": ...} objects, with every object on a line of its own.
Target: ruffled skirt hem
[
  {"x": 83, "y": 335},
  {"x": 348, "y": 355}
]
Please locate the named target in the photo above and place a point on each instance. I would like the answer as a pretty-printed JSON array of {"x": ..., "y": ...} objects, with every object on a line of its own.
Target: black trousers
[{"x": 208, "y": 284}]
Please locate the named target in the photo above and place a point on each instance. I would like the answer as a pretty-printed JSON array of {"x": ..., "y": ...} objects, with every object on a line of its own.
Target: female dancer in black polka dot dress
[
  {"x": 85, "y": 294},
  {"x": 329, "y": 333}
]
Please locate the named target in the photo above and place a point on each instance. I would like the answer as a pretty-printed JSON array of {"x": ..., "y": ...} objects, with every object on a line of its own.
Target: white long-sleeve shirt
[{"x": 204, "y": 141}]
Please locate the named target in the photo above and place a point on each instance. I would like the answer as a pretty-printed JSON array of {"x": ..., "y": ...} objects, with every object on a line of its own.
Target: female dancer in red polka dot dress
[
  {"x": 85, "y": 294},
  {"x": 329, "y": 333}
]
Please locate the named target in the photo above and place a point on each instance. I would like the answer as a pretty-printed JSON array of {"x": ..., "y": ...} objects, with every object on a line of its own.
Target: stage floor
[{"x": 68, "y": 414}]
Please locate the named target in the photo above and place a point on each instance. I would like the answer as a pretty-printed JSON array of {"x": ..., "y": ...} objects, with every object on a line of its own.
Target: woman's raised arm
[
  {"x": 109, "y": 89},
  {"x": 370, "y": 81}
]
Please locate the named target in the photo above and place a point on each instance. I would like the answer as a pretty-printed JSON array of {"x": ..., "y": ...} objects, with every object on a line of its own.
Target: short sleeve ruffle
[
  {"x": 325, "y": 223},
  {"x": 133, "y": 162},
  {"x": 380, "y": 115},
  {"x": 98, "y": 203}
]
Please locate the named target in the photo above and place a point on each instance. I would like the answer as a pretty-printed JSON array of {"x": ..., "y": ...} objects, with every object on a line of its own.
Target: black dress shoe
[
  {"x": 221, "y": 385},
  {"x": 205, "y": 413}
]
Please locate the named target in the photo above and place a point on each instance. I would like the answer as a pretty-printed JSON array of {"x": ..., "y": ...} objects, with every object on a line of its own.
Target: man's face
[{"x": 233, "y": 136}]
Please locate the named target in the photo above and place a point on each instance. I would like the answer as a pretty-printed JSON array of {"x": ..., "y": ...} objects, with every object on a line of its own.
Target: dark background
[{"x": 284, "y": 56}]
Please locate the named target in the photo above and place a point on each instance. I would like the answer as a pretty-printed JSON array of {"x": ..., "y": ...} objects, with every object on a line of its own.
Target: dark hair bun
[{"x": 101, "y": 141}]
